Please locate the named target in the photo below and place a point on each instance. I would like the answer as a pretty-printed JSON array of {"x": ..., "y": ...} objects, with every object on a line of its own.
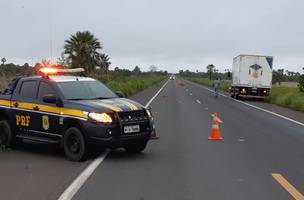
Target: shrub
[
  {"x": 301, "y": 83},
  {"x": 133, "y": 84}
]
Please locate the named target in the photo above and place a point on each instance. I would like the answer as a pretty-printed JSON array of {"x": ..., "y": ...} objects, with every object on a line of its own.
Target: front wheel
[
  {"x": 74, "y": 145},
  {"x": 6, "y": 134},
  {"x": 136, "y": 147}
]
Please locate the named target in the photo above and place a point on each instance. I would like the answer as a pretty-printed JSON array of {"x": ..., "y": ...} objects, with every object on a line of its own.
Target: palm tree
[
  {"x": 82, "y": 50},
  {"x": 210, "y": 69},
  {"x": 3, "y": 60},
  {"x": 104, "y": 62}
]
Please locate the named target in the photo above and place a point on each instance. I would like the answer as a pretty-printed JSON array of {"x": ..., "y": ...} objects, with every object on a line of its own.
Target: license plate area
[{"x": 131, "y": 129}]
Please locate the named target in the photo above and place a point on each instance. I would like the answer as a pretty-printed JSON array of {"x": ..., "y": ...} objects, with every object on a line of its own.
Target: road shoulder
[{"x": 286, "y": 112}]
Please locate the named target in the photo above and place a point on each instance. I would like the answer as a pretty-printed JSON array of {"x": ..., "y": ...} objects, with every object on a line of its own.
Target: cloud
[{"x": 169, "y": 33}]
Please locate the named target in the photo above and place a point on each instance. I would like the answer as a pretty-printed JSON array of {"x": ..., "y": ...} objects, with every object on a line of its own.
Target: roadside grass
[
  {"x": 133, "y": 84},
  {"x": 289, "y": 97},
  {"x": 286, "y": 95},
  {"x": 287, "y": 84},
  {"x": 129, "y": 85},
  {"x": 224, "y": 86},
  {"x": 3, "y": 82},
  {"x": 3, "y": 148}
]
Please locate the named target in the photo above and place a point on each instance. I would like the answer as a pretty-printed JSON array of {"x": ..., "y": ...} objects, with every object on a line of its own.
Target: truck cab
[{"x": 75, "y": 112}]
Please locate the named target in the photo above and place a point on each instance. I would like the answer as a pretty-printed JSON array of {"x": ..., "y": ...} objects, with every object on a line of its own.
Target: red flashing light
[{"x": 47, "y": 70}]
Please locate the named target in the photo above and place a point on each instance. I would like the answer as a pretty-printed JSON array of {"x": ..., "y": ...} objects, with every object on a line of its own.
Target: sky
[{"x": 171, "y": 34}]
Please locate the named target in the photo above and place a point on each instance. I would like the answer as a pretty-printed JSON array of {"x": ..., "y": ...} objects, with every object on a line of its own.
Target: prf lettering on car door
[{"x": 22, "y": 120}]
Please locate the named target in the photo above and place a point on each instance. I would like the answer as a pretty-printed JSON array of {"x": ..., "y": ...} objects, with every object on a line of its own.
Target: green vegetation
[
  {"x": 301, "y": 83},
  {"x": 224, "y": 86},
  {"x": 287, "y": 94},
  {"x": 282, "y": 75},
  {"x": 129, "y": 82},
  {"x": 83, "y": 50},
  {"x": 134, "y": 84},
  {"x": 289, "y": 97},
  {"x": 3, "y": 148}
]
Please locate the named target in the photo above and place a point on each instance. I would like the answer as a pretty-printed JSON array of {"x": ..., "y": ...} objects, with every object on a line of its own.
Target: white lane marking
[
  {"x": 198, "y": 101},
  {"x": 149, "y": 102},
  {"x": 69, "y": 193},
  {"x": 81, "y": 179},
  {"x": 256, "y": 107}
]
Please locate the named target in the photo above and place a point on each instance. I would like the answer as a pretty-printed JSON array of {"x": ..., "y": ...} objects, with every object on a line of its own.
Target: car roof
[
  {"x": 70, "y": 78},
  {"x": 61, "y": 78}
]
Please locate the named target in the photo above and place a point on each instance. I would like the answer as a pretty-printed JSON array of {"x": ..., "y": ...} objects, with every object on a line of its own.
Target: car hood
[{"x": 109, "y": 105}]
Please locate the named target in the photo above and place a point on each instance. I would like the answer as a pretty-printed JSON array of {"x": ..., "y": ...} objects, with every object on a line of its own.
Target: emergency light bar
[{"x": 51, "y": 71}]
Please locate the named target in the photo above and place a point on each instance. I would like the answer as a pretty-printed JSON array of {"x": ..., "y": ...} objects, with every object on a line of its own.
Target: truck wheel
[
  {"x": 136, "y": 147},
  {"x": 74, "y": 145},
  {"x": 6, "y": 134}
]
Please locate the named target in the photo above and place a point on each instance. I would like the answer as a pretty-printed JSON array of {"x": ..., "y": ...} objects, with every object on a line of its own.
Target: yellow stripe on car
[
  {"x": 62, "y": 111},
  {"x": 73, "y": 112},
  {"x": 5, "y": 103},
  {"x": 24, "y": 105},
  {"x": 130, "y": 105},
  {"x": 45, "y": 108},
  {"x": 114, "y": 108}
]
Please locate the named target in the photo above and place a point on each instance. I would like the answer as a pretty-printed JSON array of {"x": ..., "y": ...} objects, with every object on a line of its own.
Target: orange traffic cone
[{"x": 215, "y": 130}]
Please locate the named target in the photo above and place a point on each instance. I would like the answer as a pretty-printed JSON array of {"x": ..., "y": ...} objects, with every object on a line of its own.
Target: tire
[
  {"x": 7, "y": 137},
  {"x": 74, "y": 145},
  {"x": 136, "y": 147}
]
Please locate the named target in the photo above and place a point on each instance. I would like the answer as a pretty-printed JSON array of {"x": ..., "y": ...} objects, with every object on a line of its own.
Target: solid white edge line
[
  {"x": 256, "y": 107},
  {"x": 149, "y": 102},
  {"x": 69, "y": 193}
]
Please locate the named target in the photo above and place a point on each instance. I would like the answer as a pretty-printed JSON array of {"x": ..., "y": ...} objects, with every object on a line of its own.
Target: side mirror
[
  {"x": 49, "y": 98},
  {"x": 120, "y": 94}
]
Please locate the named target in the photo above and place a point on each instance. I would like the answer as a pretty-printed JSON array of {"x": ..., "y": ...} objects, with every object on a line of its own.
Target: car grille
[{"x": 133, "y": 116}]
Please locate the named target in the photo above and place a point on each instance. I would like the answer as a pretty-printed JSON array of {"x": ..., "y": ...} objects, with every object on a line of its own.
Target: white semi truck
[{"x": 251, "y": 76}]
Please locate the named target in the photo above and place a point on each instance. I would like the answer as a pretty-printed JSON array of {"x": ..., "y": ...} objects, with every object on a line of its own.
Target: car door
[
  {"x": 47, "y": 114},
  {"x": 22, "y": 106}
]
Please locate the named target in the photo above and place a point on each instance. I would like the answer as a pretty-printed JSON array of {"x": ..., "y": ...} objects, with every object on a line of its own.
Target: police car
[{"x": 76, "y": 112}]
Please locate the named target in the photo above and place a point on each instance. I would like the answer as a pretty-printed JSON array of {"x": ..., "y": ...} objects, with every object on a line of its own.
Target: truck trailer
[{"x": 251, "y": 76}]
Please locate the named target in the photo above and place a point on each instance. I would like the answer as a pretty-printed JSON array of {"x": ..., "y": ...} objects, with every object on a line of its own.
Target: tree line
[
  {"x": 278, "y": 76},
  {"x": 81, "y": 50}
]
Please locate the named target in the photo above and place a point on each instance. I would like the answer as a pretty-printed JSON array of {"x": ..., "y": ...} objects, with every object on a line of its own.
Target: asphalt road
[{"x": 183, "y": 163}]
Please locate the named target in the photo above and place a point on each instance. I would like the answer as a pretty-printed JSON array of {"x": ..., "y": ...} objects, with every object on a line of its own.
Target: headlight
[{"x": 101, "y": 117}]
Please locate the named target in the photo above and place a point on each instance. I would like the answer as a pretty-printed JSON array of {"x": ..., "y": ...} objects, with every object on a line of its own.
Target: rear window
[{"x": 28, "y": 89}]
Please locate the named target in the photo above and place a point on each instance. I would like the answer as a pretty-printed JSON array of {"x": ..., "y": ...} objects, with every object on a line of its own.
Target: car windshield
[{"x": 82, "y": 90}]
